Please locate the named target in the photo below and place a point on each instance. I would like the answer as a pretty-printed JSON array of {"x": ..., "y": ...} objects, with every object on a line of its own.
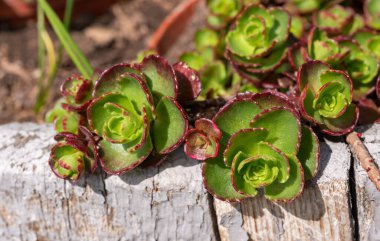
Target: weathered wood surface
[
  {"x": 321, "y": 213},
  {"x": 165, "y": 203},
  {"x": 367, "y": 196},
  {"x": 169, "y": 202}
]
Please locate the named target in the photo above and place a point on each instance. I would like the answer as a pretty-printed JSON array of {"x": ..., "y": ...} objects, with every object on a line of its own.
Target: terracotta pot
[
  {"x": 17, "y": 11},
  {"x": 172, "y": 27}
]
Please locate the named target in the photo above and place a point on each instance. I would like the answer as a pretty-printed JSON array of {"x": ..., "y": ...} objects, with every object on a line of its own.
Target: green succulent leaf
[
  {"x": 114, "y": 117},
  {"x": 205, "y": 38},
  {"x": 372, "y": 13},
  {"x": 170, "y": 126},
  {"x": 76, "y": 90},
  {"x": 290, "y": 189},
  {"x": 194, "y": 60},
  {"x": 256, "y": 42},
  {"x": 241, "y": 180},
  {"x": 118, "y": 158},
  {"x": 66, "y": 161},
  {"x": 64, "y": 120},
  {"x": 225, "y": 9},
  {"x": 160, "y": 77},
  {"x": 285, "y": 137},
  {"x": 326, "y": 98},
  {"x": 330, "y": 102},
  {"x": 297, "y": 26},
  {"x": 334, "y": 19},
  {"x": 308, "y": 153},
  {"x": 361, "y": 66},
  {"x": 238, "y": 143},
  {"x": 356, "y": 24},
  {"x": 310, "y": 73},
  {"x": 235, "y": 116},
  {"x": 217, "y": 180},
  {"x": 369, "y": 41},
  {"x": 321, "y": 47},
  {"x": 343, "y": 124}
]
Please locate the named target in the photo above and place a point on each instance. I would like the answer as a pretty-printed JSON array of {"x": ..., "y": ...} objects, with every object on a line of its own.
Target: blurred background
[{"x": 107, "y": 31}]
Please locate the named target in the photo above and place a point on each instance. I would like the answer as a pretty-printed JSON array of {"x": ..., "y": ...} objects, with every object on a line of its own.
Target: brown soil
[{"x": 108, "y": 39}]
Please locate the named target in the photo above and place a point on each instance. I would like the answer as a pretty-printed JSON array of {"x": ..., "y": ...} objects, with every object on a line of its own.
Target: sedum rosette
[
  {"x": 372, "y": 13},
  {"x": 321, "y": 47},
  {"x": 326, "y": 98},
  {"x": 202, "y": 141},
  {"x": 308, "y": 6},
  {"x": 260, "y": 148},
  {"x": 257, "y": 40},
  {"x": 134, "y": 110},
  {"x": 335, "y": 19},
  {"x": 74, "y": 154},
  {"x": 369, "y": 41},
  {"x": 361, "y": 66}
]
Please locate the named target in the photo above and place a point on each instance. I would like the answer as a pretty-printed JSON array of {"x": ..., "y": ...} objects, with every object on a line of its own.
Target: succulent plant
[
  {"x": 257, "y": 40},
  {"x": 361, "y": 66},
  {"x": 135, "y": 112},
  {"x": 64, "y": 120},
  {"x": 130, "y": 113},
  {"x": 202, "y": 141},
  {"x": 369, "y": 41},
  {"x": 372, "y": 13},
  {"x": 321, "y": 47},
  {"x": 261, "y": 136},
  {"x": 326, "y": 98},
  {"x": 221, "y": 11},
  {"x": 73, "y": 154},
  {"x": 334, "y": 19},
  {"x": 308, "y": 6}
]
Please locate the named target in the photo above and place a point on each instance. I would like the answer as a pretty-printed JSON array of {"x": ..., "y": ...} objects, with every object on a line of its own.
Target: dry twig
[{"x": 364, "y": 157}]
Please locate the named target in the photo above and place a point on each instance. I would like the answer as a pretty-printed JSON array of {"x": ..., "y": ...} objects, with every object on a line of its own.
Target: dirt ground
[{"x": 111, "y": 38}]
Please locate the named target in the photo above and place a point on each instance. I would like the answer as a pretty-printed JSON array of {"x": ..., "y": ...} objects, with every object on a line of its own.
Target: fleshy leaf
[
  {"x": 285, "y": 137},
  {"x": 66, "y": 161},
  {"x": 268, "y": 99},
  {"x": 239, "y": 142},
  {"x": 372, "y": 13},
  {"x": 343, "y": 124},
  {"x": 237, "y": 178},
  {"x": 308, "y": 153},
  {"x": 235, "y": 116},
  {"x": 119, "y": 158},
  {"x": 64, "y": 120},
  {"x": 124, "y": 80},
  {"x": 199, "y": 146},
  {"x": 205, "y": 38},
  {"x": 309, "y": 73},
  {"x": 292, "y": 188},
  {"x": 189, "y": 83},
  {"x": 217, "y": 180},
  {"x": 334, "y": 19},
  {"x": 202, "y": 142},
  {"x": 160, "y": 77},
  {"x": 170, "y": 126}
]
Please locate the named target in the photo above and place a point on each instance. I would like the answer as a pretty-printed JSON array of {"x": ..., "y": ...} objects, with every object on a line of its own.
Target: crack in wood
[{"x": 353, "y": 200}]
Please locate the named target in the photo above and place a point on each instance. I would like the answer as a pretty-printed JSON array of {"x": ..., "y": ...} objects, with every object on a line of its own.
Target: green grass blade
[{"x": 64, "y": 37}]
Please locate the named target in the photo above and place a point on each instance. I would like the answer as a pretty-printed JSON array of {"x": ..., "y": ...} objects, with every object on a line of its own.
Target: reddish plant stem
[{"x": 364, "y": 157}]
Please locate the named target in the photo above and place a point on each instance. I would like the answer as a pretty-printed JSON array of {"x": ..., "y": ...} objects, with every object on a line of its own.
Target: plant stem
[
  {"x": 364, "y": 157},
  {"x": 80, "y": 61}
]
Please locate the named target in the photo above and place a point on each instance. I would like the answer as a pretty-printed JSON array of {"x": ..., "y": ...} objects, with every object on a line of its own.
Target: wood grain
[
  {"x": 165, "y": 203},
  {"x": 321, "y": 213},
  {"x": 367, "y": 196}
]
